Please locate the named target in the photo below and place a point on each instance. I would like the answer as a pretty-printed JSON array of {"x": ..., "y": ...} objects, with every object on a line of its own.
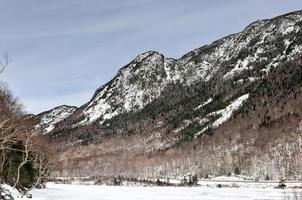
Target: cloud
[{"x": 63, "y": 50}]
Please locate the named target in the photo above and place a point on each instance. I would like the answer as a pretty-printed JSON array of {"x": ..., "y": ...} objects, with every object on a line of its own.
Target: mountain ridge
[
  {"x": 160, "y": 58},
  {"x": 171, "y": 113},
  {"x": 147, "y": 54}
]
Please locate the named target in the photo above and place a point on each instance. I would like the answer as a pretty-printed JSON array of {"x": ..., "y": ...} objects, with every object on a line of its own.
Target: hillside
[
  {"x": 233, "y": 106},
  {"x": 49, "y": 119}
]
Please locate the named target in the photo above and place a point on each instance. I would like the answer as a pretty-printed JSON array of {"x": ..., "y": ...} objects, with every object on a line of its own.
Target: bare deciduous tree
[{"x": 20, "y": 150}]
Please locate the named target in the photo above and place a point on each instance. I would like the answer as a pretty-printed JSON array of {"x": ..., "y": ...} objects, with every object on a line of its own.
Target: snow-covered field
[{"x": 93, "y": 192}]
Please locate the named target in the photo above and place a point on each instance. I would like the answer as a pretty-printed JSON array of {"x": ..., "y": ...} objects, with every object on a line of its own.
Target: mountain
[
  {"x": 231, "y": 106},
  {"x": 49, "y": 119}
]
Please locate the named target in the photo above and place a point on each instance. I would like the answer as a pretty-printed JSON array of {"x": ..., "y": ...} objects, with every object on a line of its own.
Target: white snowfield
[{"x": 93, "y": 192}]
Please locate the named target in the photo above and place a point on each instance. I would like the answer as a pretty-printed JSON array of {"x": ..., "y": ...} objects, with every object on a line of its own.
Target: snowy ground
[{"x": 93, "y": 192}]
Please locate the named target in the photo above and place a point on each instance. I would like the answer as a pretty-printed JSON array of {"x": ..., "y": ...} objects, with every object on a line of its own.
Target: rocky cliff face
[{"x": 160, "y": 116}]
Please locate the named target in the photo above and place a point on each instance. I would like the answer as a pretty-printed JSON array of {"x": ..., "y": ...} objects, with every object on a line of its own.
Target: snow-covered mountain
[
  {"x": 49, "y": 119},
  {"x": 165, "y": 108},
  {"x": 243, "y": 56}
]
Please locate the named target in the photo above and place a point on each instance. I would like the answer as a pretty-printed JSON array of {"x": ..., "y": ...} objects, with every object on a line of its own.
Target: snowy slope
[
  {"x": 48, "y": 119},
  {"x": 224, "y": 114}
]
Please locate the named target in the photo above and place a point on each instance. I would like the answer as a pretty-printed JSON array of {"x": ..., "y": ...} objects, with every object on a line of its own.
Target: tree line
[{"x": 23, "y": 151}]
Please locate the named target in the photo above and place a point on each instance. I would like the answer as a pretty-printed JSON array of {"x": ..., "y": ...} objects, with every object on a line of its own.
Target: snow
[
  {"x": 125, "y": 92},
  {"x": 94, "y": 192},
  {"x": 297, "y": 50},
  {"x": 204, "y": 104},
  {"x": 287, "y": 43},
  {"x": 225, "y": 113},
  {"x": 49, "y": 128},
  {"x": 239, "y": 67},
  {"x": 265, "y": 33},
  {"x": 95, "y": 110},
  {"x": 50, "y": 119},
  {"x": 289, "y": 29},
  {"x": 250, "y": 79},
  {"x": 14, "y": 192},
  {"x": 227, "y": 178},
  {"x": 144, "y": 55},
  {"x": 228, "y": 111}
]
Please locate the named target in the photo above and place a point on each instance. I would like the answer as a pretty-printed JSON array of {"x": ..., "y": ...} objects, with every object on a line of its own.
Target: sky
[{"x": 61, "y": 51}]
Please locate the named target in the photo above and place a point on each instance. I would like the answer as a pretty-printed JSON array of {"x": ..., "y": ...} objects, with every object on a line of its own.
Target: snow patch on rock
[{"x": 204, "y": 104}]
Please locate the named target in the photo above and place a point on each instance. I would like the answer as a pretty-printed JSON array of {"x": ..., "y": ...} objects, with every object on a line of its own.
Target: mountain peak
[{"x": 148, "y": 54}]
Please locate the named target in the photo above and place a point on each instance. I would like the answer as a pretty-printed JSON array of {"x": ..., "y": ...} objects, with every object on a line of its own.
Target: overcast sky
[{"x": 62, "y": 50}]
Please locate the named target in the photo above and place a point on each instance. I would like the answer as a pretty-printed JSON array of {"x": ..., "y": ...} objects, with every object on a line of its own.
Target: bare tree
[
  {"x": 27, "y": 141},
  {"x": 19, "y": 149},
  {"x": 42, "y": 153}
]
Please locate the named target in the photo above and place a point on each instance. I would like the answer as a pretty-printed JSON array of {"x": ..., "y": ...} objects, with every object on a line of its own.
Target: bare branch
[{"x": 4, "y": 63}]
